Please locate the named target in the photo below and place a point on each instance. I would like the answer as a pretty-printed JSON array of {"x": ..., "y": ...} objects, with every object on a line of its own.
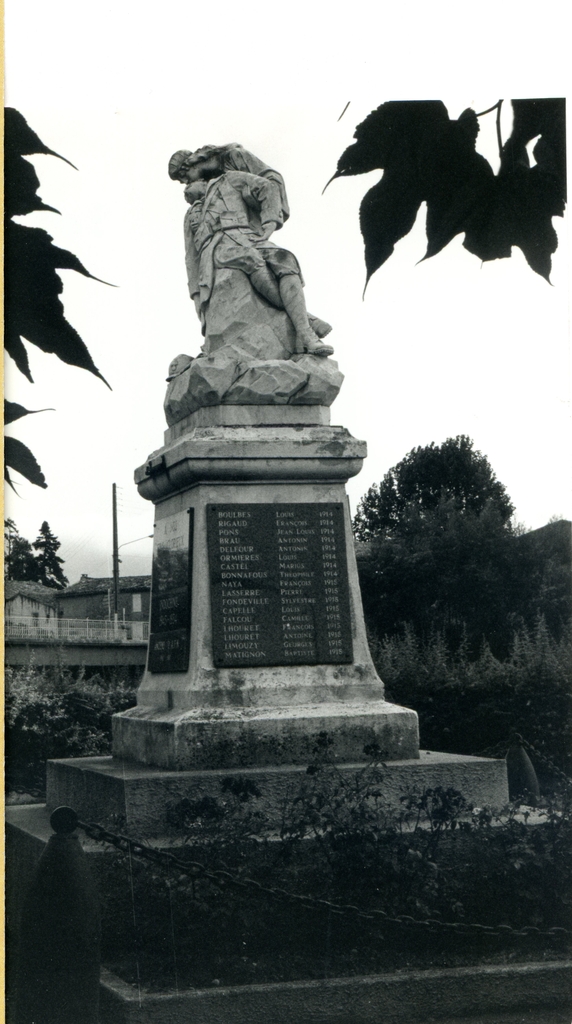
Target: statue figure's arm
[
  {"x": 238, "y": 158},
  {"x": 192, "y": 263},
  {"x": 264, "y": 194}
]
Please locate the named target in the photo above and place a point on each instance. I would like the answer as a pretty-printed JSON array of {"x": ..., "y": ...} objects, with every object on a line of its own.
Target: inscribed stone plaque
[
  {"x": 171, "y": 594},
  {"x": 279, "y": 584}
]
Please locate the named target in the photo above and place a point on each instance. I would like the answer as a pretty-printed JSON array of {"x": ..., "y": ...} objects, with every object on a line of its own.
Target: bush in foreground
[
  {"x": 433, "y": 860},
  {"x": 54, "y": 713}
]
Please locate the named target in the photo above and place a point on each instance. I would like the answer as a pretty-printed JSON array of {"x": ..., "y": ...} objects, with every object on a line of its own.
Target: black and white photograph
[{"x": 287, "y": 514}]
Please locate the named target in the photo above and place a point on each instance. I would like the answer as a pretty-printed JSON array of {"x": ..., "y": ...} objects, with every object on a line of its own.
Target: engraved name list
[{"x": 279, "y": 584}]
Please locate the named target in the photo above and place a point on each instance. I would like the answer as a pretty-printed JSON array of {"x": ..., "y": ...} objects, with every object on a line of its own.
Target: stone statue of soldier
[{"x": 236, "y": 203}]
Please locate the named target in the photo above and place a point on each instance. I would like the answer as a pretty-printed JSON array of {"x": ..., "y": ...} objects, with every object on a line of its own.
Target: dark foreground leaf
[
  {"x": 388, "y": 212},
  {"x": 33, "y": 309},
  {"x": 19, "y": 457},
  {"x": 32, "y": 286},
  {"x": 427, "y": 157},
  {"x": 21, "y": 180},
  {"x": 21, "y": 139},
  {"x": 519, "y": 204},
  {"x": 456, "y": 178},
  {"x": 13, "y": 411}
]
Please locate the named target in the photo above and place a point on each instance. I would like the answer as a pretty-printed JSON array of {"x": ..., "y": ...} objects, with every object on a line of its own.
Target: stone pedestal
[
  {"x": 142, "y": 798},
  {"x": 206, "y": 712},
  {"x": 224, "y": 473},
  {"x": 195, "y": 713}
]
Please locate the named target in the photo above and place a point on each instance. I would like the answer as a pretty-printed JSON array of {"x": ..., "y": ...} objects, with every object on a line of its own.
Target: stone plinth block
[
  {"x": 257, "y": 639},
  {"x": 250, "y": 416},
  {"x": 265, "y": 647},
  {"x": 99, "y": 788},
  {"x": 250, "y": 453},
  {"x": 206, "y": 685},
  {"x": 244, "y": 737}
]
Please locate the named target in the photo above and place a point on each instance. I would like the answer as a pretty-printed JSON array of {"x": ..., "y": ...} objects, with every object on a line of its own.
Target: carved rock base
[
  {"x": 231, "y": 377},
  {"x": 248, "y": 358}
]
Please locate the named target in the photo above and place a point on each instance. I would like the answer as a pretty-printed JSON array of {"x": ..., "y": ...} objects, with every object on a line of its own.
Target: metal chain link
[
  {"x": 543, "y": 759},
  {"x": 194, "y": 869},
  {"x": 498, "y": 748}
]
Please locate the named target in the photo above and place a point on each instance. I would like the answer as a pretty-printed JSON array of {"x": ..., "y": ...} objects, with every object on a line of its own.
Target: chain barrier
[
  {"x": 221, "y": 878},
  {"x": 498, "y": 748},
  {"x": 543, "y": 759}
]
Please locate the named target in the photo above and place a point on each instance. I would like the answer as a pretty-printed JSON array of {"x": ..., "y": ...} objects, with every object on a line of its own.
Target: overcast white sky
[{"x": 435, "y": 350}]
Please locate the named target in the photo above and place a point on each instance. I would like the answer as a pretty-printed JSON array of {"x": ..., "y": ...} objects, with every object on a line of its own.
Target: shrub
[
  {"x": 52, "y": 714},
  {"x": 432, "y": 860},
  {"x": 471, "y": 705}
]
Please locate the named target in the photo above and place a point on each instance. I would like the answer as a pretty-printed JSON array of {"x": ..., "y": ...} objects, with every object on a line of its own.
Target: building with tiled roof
[
  {"x": 23, "y": 597},
  {"x": 92, "y": 598}
]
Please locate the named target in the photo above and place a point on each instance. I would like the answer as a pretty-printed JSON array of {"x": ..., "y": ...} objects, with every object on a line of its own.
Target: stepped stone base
[
  {"x": 99, "y": 788},
  {"x": 246, "y": 737}
]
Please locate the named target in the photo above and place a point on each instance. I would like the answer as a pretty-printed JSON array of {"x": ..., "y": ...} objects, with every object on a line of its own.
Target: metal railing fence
[{"x": 57, "y": 630}]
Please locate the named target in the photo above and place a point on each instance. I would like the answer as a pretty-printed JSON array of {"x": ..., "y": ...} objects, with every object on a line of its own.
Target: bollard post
[
  {"x": 522, "y": 780},
  {"x": 58, "y": 956}
]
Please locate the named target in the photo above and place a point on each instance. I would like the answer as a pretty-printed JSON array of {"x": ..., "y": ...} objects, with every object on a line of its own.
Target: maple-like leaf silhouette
[
  {"x": 20, "y": 178},
  {"x": 519, "y": 203},
  {"x": 428, "y": 157},
  {"x": 33, "y": 310}
]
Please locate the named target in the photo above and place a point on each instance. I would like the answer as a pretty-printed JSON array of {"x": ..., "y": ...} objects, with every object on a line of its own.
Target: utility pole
[{"x": 115, "y": 554}]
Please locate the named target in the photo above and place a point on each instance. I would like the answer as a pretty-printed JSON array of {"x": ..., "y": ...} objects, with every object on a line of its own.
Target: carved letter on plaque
[{"x": 279, "y": 584}]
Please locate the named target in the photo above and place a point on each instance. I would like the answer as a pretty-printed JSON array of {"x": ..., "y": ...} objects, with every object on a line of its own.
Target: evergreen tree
[
  {"x": 19, "y": 561},
  {"x": 48, "y": 561}
]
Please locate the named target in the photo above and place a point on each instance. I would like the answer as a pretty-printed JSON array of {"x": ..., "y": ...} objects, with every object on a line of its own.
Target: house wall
[
  {"x": 19, "y": 605},
  {"x": 100, "y": 606}
]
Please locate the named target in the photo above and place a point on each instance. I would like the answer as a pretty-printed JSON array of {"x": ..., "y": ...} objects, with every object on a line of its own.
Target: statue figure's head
[
  {"x": 204, "y": 163},
  {"x": 178, "y": 164}
]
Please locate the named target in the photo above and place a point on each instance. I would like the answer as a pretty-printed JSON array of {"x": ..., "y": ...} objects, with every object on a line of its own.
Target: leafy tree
[
  {"x": 441, "y": 553},
  {"x": 449, "y": 572},
  {"x": 33, "y": 310},
  {"x": 428, "y": 157},
  {"x": 19, "y": 561},
  {"x": 452, "y": 471},
  {"x": 545, "y": 573},
  {"x": 49, "y": 563}
]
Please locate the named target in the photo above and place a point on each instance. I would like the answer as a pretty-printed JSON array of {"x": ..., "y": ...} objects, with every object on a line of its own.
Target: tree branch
[
  {"x": 499, "y": 136},
  {"x": 489, "y": 109}
]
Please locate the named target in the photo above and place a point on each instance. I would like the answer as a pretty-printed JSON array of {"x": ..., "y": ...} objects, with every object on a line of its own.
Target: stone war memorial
[
  {"x": 257, "y": 638},
  {"x": 258, "y": 656}
]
